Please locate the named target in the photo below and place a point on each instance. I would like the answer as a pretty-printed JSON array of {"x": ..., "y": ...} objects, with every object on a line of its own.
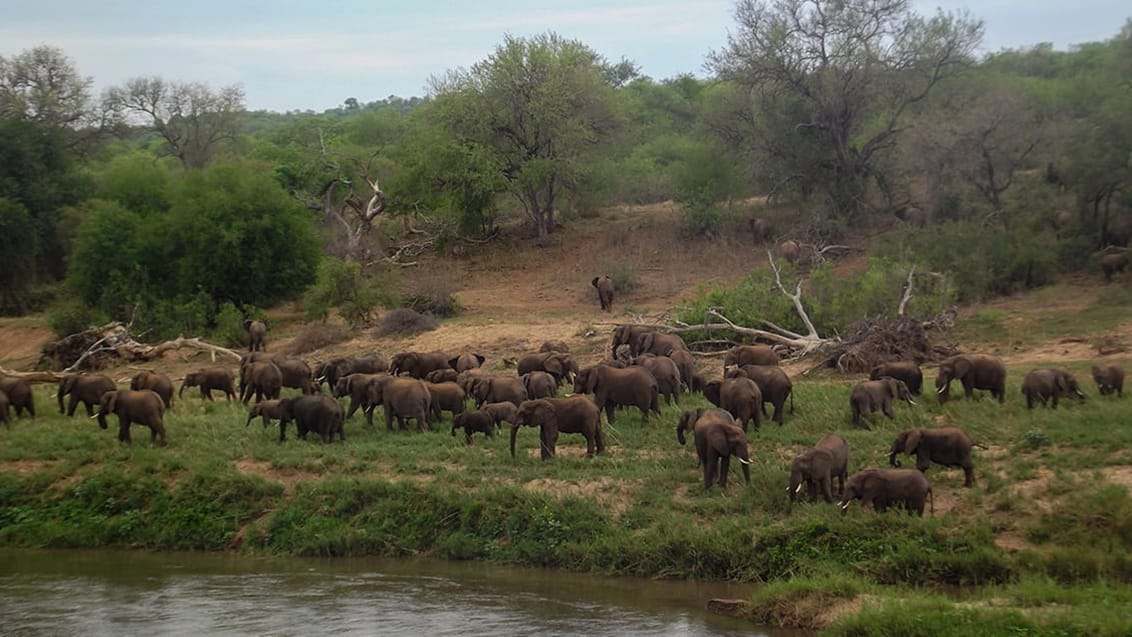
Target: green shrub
[
  {"x": 624, "y": 276},
  {"x": 229, "y": 325},
  {"x": 341, "y": 285}
]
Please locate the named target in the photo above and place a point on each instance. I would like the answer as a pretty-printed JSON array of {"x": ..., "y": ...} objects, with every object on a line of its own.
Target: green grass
[{"x": 639, "y": 509}]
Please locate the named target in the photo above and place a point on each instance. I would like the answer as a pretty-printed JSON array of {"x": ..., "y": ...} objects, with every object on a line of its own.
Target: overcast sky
[{"x": 301, "y": 55}]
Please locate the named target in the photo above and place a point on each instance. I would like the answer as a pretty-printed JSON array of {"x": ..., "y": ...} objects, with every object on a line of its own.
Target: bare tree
[{"x": 193, "y": 119}]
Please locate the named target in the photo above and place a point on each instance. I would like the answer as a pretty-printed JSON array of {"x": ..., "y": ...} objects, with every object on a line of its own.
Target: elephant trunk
[
  {"x": 892, "y": 460},
  {"x": 844, "y": 507},
  {"x": 514, "y": 430},
  {"x": 101, "y": 415},
  {"x": 680, "y": 434},
  {"x": 59, "y": 395},
  {"x": 181, "y": 394},
  {"x": 746, "y": 471}
]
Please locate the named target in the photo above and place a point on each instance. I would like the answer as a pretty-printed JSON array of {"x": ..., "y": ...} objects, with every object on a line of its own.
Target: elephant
[
  {"x": 741, "y": 355},
  {"x": 570, "y": 415},
  {"x": 334, "y": 369},
  {"x": 296, "y": 374},
  {"x": 320, "y": 414},
  {"x": 554, "y": 346},
  {"x": 142, "y": 406},
  {"x": 740, "y": 397},
  {"x": 539, "y": 385},
  {"x": 907, "y": 371},
  {"x": 257, "y": 335},
  {"x": 657, "y": 343},
  {"x": 159, "y": 383},
  {"x": 790, "y": 250},
  {"x": 945, "y": 446},
  {"x": 816, "y": 467},
  {"x": 84, "y": 388},
  {"x": 666, "y": 373},
  {"x": 760, "y": 230},
  {"x": 474, "y": 421},
  {"x": 717, "y": 439},
  {"x": 20, "y": 396},
  {"x": 216, "y": 378},
  {"x": 1113, "y": 263},
  {"x": 632, "y": 386},
  {"x": 773, "y": 382},
  {"x": 501, "y": 412},
  {"x": 356, "y": 386},
  {"x": 604, "y": 286},
  {"x": 268, "y": 410},
  {"x": 263, "y": 379},
  {"x": 4, "y": 409},
  {"x": 1109, "y": 379},
  {"x": 975, "y": 371},
  {"x": 465, "y": 362},
  {"x": 869, "y": 396},
  {"x": 417, "y": 364},
  {"x": 442, "y": 376},
  {"x": 558, "y": 364},
  {"x": 495, "y": 389},
  {"x": 883, "y": 487},
  {"x": 403, "y": 399},
  {"x": 466, "y": 379},
  {"x": 686, "y": 363},
  {"x": 1042, "y": 385},
  {"x": 627, "y": 335},
  {"x": 911, "y": 215},
  {"x": 445, "y": 397}
]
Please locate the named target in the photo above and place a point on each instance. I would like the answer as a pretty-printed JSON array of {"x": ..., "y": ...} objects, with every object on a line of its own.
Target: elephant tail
[
  {"x": 931, "y": 500},
  {"x": 791, "y": 402}
]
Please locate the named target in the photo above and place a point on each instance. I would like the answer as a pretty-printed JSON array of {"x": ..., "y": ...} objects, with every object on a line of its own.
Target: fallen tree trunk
[{"x": 97, "y": 346}]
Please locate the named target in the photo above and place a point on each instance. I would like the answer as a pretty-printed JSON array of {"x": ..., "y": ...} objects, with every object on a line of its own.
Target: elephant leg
[
  {"x": 1053, "y": 399},
  {"x": 724, "y": 469},
  {"x": 968, "y": 475},
  {"x": 856, "y": 414},
  {"x": 811, "y": 489},
  {"x": 549, "y": 443},
  {"x": 123, "y": 429},
  {"x": 1029, "y": 401},
  {"x": 609, "y": 412},
  {"x": 826, "y": 488},
  {"x": 886, "y": 407},
  {"x": 778, "y": 409},
  {"x": 710, "y": 462}
]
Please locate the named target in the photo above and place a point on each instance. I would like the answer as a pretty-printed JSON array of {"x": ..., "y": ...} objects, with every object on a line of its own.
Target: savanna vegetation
[{"x": 859, "y": 128}]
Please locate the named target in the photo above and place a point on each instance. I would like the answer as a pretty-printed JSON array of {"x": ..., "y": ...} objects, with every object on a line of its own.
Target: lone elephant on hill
[
  {"x": 604, "y": 286},
  {"x": 257, "y": 335}
]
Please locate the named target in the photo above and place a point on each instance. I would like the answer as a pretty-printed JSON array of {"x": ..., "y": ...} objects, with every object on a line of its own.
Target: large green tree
[
  {"x": 533, "y": 112},
  {"x": 843, "y": 72}
]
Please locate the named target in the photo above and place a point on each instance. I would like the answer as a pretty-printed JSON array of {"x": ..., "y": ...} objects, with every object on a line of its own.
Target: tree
[
  {"x": 851, "y": 68},
  {"x": 17, "y": 256},
  {"x": 533, "y": 112},
  {"x": 193, "y": 119}
]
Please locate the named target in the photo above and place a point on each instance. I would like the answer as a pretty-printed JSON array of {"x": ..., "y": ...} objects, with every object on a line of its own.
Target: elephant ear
[
  {"x": 594, "y": 282},
  {"x": 247, "y": 325},
  {"x": 962, "y": 367},
  {"x": 452, "y": 362},
  {"x": 591, "y": 380},
  {"x": 1062, "y": 381},
  {"x": 480, "y": 358},
  {"x": 110, "y": 401},
  {"x": 646, "y": 342},
  {"x": 553, "y": 364},
  {"x": 912, "y": 442}
]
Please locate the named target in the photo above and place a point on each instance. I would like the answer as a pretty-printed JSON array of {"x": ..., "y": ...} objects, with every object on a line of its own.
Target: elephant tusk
[
  {"x": 744, "y": 461},
  {"x": 797, "y": 489},
  {"x": 911, "y": 402},
  {"x": 940, "y": 390},
  {"x": 844, "y": 505},
  {"x": 94, "y": 416}
]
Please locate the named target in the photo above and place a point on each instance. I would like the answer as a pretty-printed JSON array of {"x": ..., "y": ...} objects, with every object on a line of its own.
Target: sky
[{"x": 300, "y": 55}]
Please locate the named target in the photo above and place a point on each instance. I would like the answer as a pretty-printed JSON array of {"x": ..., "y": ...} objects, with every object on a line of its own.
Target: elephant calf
[
  {"x": 946, "y": 446},
  {"x": 471, "y": 422},
  {"x": 268, "y": 409},
  {"x": 501, "y": 412},
  {"x": 816, "y": 467},
  {"x": 1109, "y": 379},
  {"x": 872, "y": 395},
  {"x": 209, "y": 379},
  {"x": 885, "y": 487},
  {"x": 20, "y": 396},
  {"x": 1042, "y": 385}
]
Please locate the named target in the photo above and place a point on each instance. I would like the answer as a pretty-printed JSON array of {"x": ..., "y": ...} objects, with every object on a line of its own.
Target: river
[{"x": 140, "y": 593}]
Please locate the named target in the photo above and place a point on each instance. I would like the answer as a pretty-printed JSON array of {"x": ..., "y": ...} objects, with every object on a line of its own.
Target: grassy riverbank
[{"x": 1043, "y": 543}]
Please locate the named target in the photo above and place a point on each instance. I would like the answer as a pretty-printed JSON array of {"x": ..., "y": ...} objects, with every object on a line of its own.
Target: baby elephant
[
  {"x": 1042, "y": 385},
  {"x": 268, "y": 409},
  {"x": 884, "y": 487},
  {"x": 471, "y": 422},
  {"x": 816, "y": 467},
  {"x": 946, "y": 446},
  {"x": 1109, "y": 379},
  {"x": 872, "y": 395},
  {"x": 501, "y": 412}
]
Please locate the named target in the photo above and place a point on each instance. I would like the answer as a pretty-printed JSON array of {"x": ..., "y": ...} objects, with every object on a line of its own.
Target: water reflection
[{"x": 131, "y": 593}]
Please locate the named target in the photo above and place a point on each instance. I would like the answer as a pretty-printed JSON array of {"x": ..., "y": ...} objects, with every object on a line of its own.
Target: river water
[{"x": 92, "y": 593}]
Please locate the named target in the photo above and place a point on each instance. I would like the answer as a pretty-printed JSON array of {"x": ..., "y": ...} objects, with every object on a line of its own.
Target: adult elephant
[
  {"x": 738, "y": 396},
  {"x": 666, "y": 373},
  {"x": 686, "y": 363},
  {"x": 261, "y": 379},
  {"x": 657, "y": 343},
  {"x": 560, "y": 365},
  {"x": 20, "y": 396},
  {"x": 84, "y": 388},
  {"x": 403, "y": 398},
  {"x": 760, "y": 230},
  {"x": 1113, "y": 263},
  {"x": 629, "y": 387},
  {"x": 604, "y": 286},
  {"x": 296, "y": 374},
  {"x": 887, "y": 487},
  {"x": 773, "y": 382},
  {"x": 417, "y": 364},
  {"x": 466, "y": 361},
  {"x": 257, "y": 335},
  {"x": 554, "y": 346},
  {"x": 539, "y": 385},
  {"x": 155, "y": 381},
  {"x": 1045, "y": 384},
  {"x": 336, "y": 368},
  {"x": 907, "y": 371},
  {"x": 816, "y": 467},
  {"x": 945, "y": 446},
  {"x": 553, "y": 416},
  {"x": 4, "y": 409},
  {"x": 975, "y": 371},
  {"x": 320, "y": 414},
  {"x": 142, "y": 406},
  {"x": 628, "y": 335},
  {"x": 1109, "y": 379},
  {"x": 445, "y": 397},
  {"x": 442, "y": 376},
  {"x": 356, "y": 386},
  {"x": 216, "y": 378},
  {"x": 497, "y": 389},
  {"x": 869, "y": 396},
  {"x": 741, "y": 355},
  {"x": 717, "y": 439}
]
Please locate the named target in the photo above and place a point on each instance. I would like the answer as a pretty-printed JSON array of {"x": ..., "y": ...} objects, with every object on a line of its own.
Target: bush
[
  {"x": 433, "y": 296},
  {"x": 342, "y": 285},
  {"x": 230, "y": 325},
  {"x": 624, "y": 276},
  {"x": 405, "y": 322},
  {"x": 317, "y": 336}
]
